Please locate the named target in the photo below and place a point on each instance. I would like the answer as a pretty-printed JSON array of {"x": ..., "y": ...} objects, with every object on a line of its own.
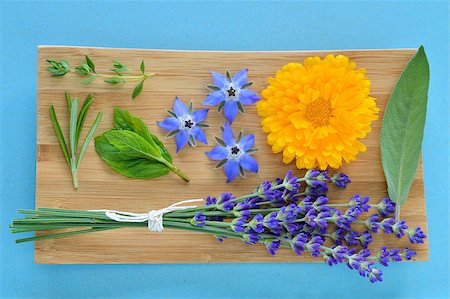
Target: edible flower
[
  {"x": 234, "y": 154},
  {"x": 230, "y": 93},
  {"x": 185, "y": 124},
  {"x": 318, "y": 112}
]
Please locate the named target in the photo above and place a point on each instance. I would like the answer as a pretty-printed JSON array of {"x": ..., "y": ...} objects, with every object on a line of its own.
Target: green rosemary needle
[
  {"x": 87, "y": 69},
  {"x": 76, "y": 122}
]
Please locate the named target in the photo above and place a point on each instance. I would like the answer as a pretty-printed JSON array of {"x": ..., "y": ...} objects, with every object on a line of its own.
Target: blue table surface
[{"x": 215, "y": 26}]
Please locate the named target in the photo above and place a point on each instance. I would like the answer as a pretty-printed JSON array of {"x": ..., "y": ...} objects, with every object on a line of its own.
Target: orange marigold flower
[{"x": 318, "y": 112}]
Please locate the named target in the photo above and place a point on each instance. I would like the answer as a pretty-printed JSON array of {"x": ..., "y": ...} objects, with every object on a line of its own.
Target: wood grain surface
[{"x": 185, "y": 74}]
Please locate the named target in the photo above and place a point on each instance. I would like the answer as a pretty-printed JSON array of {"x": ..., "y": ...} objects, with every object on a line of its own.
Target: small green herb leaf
[
  {"x": 137, "y": 90},
  {"x": 142, "y": 67},
  {"x": 403, "y": 126},
  {"x": 90, "y": 63}
]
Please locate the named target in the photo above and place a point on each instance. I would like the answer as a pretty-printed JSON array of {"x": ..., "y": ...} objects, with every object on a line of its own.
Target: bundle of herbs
[{"x": 292, "y": 212}]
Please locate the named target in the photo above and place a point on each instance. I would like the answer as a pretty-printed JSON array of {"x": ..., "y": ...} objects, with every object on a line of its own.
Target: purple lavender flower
[
  {"x": 233, "y": 154},
  {"x": 242, "y": 210},
  {"x": 231, "y": 93},
  {"x": 210, "y": 200},
  {"x": 306, "y": 203},
  {"x": 398, "y": 228},
  {"x": 386, "y": 207},
  {"x": 394, "y": 255},
  {"x": 272, "y": 246},
  {"x": 264, "y": 191},
  {"x": 224, "y": 203},
  {"x": 320, "y": 204},
  {"x": 386, "y": 225},
  {"x": 340, "y": 180},
  {"x": 365, "y": 239},
  {"x": 351, "y": 237},
  {"x": 290, "y": 181},
  {"x": 185, "y": 124},
  {"x": 372, "y": 223},
  {"x": 250, "y": 238},
  {"x": 298, "y": 243},
  {"x": 375, "y": 275},
  {"x": 238, "y": 225},
  {"x": 342, "y": 221},
  {"x": 257, "y": 223},
  {"x": 272, "y": 223},
  {"x": 313, "y": 246},
  {"x": 198, "y": 220},
  {"x": 416, "y": 236},
  {"x": 288, "y": 213},
  {"x": 383, "y": 256},
  {"x": 359, "y": 203},
  {"x": 407, "y": 254}
]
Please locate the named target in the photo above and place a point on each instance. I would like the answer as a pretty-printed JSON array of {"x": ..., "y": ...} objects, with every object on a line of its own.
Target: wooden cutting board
[{"x": 185, "y": 74}]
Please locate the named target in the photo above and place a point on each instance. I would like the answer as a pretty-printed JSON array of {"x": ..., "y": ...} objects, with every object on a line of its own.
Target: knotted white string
[{"x": 154, "y": 217}]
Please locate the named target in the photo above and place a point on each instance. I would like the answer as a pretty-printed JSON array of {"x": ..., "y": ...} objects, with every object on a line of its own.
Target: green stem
[
  {"x": 61, "y": 235},
  {"x": 178, "y": 172},
  {"x": 132, "y": 78}
]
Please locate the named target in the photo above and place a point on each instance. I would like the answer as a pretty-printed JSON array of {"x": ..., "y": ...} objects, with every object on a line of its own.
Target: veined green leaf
[
  {"x": 125, "y": 121},
  {"x": 403, "y": 126},
  {"x": 127, "y": 165},
  {"x": 132, "y": 144}
]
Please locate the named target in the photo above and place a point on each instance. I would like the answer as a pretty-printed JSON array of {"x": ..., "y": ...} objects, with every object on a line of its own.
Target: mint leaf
[
  {"x": 403, "y": 126},
  {"x": 129, "y": 166},
  {"x": 125, "y": 121}
]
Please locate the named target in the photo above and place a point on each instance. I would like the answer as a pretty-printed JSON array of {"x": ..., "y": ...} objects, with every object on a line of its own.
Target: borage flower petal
[
  {"x": 185, "y": 124},
  {"x": 231, "y": 93},
  {"x": 233, "y": 155}
]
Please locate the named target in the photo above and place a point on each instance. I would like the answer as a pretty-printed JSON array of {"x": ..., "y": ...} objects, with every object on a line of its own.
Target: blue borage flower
[
  {"x": 185, "y": 124},
  {"x": 234, "y": 154},
  {"x": 230, "y": 93}
]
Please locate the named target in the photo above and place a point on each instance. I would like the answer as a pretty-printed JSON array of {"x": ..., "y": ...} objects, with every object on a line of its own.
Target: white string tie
[{"x": 154, "y": 217}]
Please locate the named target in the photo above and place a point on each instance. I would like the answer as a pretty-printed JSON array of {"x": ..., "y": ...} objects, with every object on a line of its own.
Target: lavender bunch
[{"x": 292, "y": 212}]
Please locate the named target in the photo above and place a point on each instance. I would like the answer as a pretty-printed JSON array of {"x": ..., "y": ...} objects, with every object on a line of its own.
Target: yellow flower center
[{"x": 319, "y": 111}]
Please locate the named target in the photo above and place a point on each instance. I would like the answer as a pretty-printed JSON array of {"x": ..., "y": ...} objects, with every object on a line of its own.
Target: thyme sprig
[
  {"x": 76, "y": 122},
  {"x": 88, "y": 70}
]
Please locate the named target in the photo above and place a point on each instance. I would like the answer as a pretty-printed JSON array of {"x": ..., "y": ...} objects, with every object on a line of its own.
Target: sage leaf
[{"x": 403, "y": 126}]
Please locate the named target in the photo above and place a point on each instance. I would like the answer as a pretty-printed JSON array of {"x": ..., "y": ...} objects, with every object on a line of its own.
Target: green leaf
[
  {"x": 82, "y": 117},
  {"x": 72, "y": 129},
  {"x": 59, "y": 134},
  {"x": 403, "y": 126},
  {"x": 132, "y": 144},
  {"x": 90, "y": 63},
  {"x": 89, "y": 137},
  {"x": 142, "y": 67},
  {"x": 137, "y": 90},
  {"x": 125, "y": 121},
  {"x": 88, "y": 80},
  {"x": 126, "y": 165},
  {"x": 213, "y": 87}
]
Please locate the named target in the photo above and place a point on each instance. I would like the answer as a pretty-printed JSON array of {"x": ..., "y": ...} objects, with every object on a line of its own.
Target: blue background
[{"x": 216, "y": 26}]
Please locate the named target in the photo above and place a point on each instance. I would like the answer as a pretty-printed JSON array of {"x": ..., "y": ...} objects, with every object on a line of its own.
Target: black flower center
[
  {"x": 235, "y": 150},
  {"x": 231, "y": 92},
  {"x": 188, "y": 123}
]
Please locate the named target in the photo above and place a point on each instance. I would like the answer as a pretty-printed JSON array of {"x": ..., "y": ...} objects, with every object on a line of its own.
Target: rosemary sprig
[
  {"x": 76, "y": 122},
  {"x": 87, "y": 69}
]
